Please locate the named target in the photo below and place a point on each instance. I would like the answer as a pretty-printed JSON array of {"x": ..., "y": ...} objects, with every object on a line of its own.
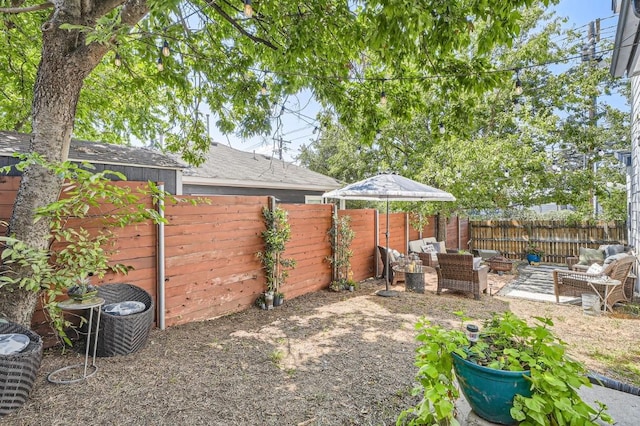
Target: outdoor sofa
[
  {"x": 427, "y": 249},
  {"x": 575, "y": 283},
  {"x": 588, "y": 256}
]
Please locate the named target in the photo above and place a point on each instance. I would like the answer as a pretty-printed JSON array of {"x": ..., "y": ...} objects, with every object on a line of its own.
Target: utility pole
[
  {"x": 280, "y": 146},
  {"x": 280, "y": 143},
  {"x": 589, "y": 55}
]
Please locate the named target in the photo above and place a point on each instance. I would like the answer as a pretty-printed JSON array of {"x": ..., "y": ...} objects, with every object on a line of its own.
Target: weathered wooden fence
[
  {"x": 209, "y": 262},
  {"x": 557, "y": 239}
]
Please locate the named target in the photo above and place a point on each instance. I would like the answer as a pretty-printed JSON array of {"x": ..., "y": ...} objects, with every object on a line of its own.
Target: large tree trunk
[
  {"x": 66, "y": 61},
  {"x": 441, "y": 227}
]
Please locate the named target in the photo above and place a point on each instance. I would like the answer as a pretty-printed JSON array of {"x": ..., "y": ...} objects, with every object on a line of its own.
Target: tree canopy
[
  {"x": 501, "y": 150},
  {"x": 346, "y": 53}
]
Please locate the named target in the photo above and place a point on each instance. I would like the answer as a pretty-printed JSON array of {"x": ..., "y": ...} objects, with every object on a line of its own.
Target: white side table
[
  {"x": 608, "y": 285},
  {"x": 73, "y": 305}
]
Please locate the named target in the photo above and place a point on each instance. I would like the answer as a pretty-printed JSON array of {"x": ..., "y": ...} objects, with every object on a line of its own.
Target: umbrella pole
[
  {"x": 386, "y": 234},
  {"x": 386, "y": 292}
]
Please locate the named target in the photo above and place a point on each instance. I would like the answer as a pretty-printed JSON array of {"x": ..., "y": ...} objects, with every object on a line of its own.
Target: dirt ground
[{"x": 322, "y": 359}]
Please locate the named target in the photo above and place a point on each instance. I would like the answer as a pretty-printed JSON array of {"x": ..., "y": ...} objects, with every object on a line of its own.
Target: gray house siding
[
  {"x": 283, "y": 195},
  {"x": 626, "y": 61},
  {"x": 634, "y": 177},
  {"x": 137, "y": 164},
  {"x": 133, "y": 173}
]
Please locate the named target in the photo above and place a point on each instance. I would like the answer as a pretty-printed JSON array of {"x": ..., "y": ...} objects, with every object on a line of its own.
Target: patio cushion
[
  {"x": 595, "y": 269},
  {"x": 128, "y": 307},
  {"x": 476, "y": 263},
  {"x": 618, "y": 256},
  {"x": 13, "y": 343},
  {"x": 589, "y": 256},
  {"x": 415, "y": 246}
]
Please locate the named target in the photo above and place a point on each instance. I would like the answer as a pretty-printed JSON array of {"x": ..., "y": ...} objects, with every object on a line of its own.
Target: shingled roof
[
  {"x": 95, "y": 152},
  {"x": 226, "y": 166}
]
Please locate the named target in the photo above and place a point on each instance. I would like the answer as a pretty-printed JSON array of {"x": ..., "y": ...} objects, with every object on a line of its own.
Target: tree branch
[
  {"x": 233, "y": 22},
  {"x": 16, "y": 10}
]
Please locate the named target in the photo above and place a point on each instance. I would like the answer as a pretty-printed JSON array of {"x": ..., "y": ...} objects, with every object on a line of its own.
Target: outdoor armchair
[
  {"x": 392, "y": 263},
  {"x": 456, "y": 272},
  {"x": 574, "y": 283}
]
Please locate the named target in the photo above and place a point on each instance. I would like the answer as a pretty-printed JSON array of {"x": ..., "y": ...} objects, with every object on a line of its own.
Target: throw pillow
[
  {"x": 613, "y": 249},
  {"x": 589, "y": 256},
  {"x": 13, "y": 343},
  {"x": 124, "y": 308},
  {"x": 442, "y": 248},
  {"x": 429, "y": 248},
  {"x": 595, "y": 269}
]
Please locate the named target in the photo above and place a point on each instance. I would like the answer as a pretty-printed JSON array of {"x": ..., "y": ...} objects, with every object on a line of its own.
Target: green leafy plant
[
  {"x": 506, "y": 343},
  {"x": 275, "y": 236},
  {"x": 343, "y": 284},
  {"x": 336, "y": 286},
  {"x": 74, "y": 253},
  {"x": 534, "y": 250},
  {"x": 260, "y": 302},
  {"x": 341, "y": 236}
]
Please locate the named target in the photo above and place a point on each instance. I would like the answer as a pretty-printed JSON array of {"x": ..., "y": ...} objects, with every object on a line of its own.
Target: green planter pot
[
  {"x": 533, "y": 259},
  {"x": 490, "y": 392}
]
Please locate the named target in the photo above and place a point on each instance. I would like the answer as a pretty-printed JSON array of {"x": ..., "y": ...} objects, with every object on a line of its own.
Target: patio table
[
  {"x": 608, "y": 284},
  {"x": 87, "y": 370}
]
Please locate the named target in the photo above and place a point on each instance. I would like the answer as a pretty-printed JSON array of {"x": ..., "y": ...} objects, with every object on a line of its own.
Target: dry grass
[{"x": 321, "y": 359}]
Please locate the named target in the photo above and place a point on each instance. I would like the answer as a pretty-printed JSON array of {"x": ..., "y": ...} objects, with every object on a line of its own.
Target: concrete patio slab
[{"x": 535, "y": 283}]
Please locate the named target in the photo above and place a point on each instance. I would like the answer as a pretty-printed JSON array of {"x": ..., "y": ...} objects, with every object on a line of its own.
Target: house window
[{"x": 312, "y": 199}]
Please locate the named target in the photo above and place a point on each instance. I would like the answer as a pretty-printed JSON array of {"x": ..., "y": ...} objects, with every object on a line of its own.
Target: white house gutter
[
  {"x": 625, "y": 50},
  {"x": 160, "y": 261},
  {"x": 194, "y": 180}
]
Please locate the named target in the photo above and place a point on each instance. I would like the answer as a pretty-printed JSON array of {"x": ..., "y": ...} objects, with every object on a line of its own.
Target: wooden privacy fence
[
  {"x": 558, "y": 239},
  {"x": 209, "y": 266}
]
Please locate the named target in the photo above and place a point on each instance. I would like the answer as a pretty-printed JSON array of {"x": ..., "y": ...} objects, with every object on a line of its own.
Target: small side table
[
  {"x": 500, "y": 264},
  {"x": 414, "y": 281},
  {"x": 608, "y": 285},
  {"x": 73, "y": 305}
]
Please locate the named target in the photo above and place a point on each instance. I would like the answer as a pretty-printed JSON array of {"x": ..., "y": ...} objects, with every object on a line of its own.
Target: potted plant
[
  {"x": 260, "y": 303},
  {"x": 83, "y": 290},
  {"x": 268, "y": 299},
  {"x": 275, "y": 236},
  {"x": 341, "y": 236},
  {"x": 534, "y": 253},
  {"x": 508, "y": 355},
  {"x": 278, "y": 298}
]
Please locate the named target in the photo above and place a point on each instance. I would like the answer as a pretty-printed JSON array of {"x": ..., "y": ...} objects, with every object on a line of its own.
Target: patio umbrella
[{"x": 389, "y": 187}]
